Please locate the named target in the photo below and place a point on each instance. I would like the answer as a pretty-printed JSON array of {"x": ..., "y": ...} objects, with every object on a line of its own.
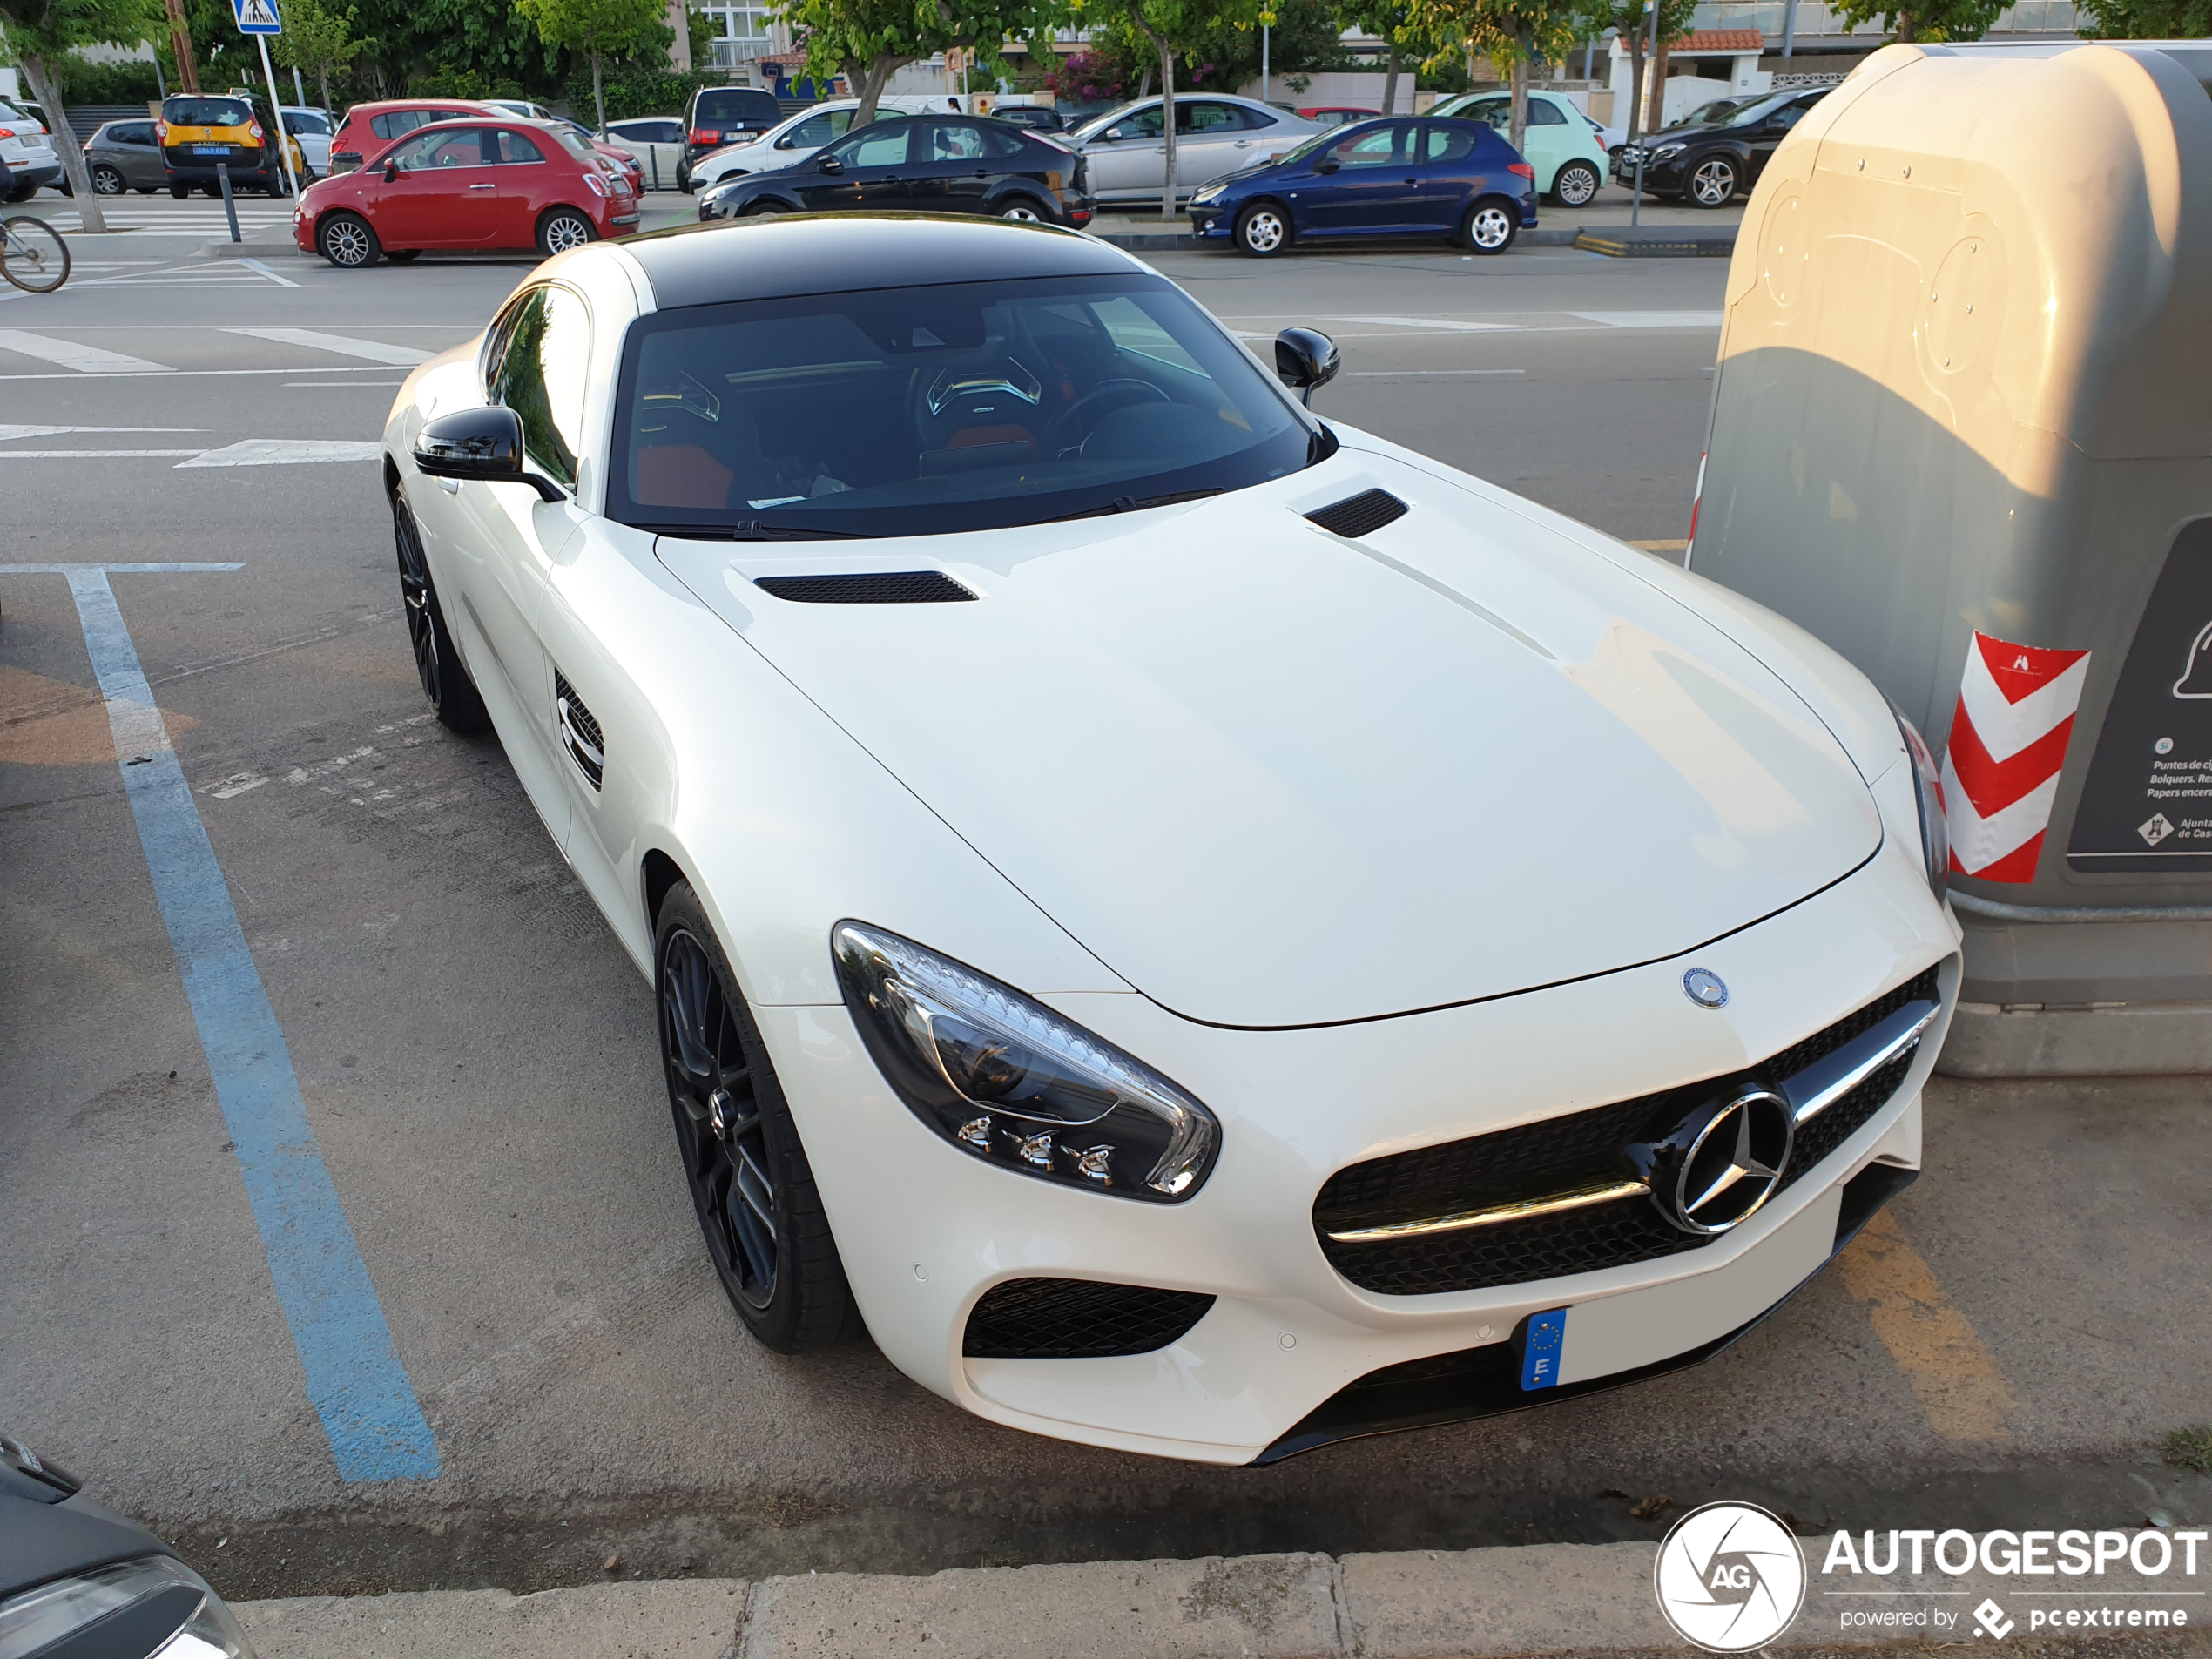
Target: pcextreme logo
[{"x": 1730, "y": 1577}]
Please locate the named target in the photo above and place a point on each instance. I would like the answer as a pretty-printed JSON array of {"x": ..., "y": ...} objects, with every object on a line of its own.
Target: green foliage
[
  {"x": 1305, "y": 39},
  {"x": 2147, "y": 19},
  {"x": 865, "y": 40},
  {"x": 317, "y": 39},
  {"x": 2189, "y": 1449},
  {"x": 701, "y": 40},
  {"x": 87, "y": 83},
  {"x": 46, "y": 30},
  {"x": 464, "y": 84},
  {"x": 631, "y": 91},
  {"x": 1927, "y": 20}
]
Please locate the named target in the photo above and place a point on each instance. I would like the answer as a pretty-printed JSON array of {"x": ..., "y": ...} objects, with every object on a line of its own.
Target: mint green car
[{"x": 1565, "y": 149}]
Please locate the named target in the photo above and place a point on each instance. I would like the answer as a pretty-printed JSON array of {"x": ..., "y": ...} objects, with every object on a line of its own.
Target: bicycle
[{"x": 32, "y": 254}]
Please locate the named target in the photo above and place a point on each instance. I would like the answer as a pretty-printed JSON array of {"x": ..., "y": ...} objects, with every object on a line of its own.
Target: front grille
[
  {"x": 1558, "y": 1155},
  {"x": 873, "y": 588},
  {"x": 1360, "y": 514},
  {"x": 1076, "y": 1319}
]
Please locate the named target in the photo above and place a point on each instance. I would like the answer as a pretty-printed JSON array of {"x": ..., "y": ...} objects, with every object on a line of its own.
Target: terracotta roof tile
[{"x": 1714, "y": 42}]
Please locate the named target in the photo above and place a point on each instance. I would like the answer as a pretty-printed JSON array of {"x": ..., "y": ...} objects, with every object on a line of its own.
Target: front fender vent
[
  {"x": 1360, "y": 514},
  {"x": 873, "y": 587},
  {"x": 1078, "y": 1318},
  {"x": 579, "y": 731}
]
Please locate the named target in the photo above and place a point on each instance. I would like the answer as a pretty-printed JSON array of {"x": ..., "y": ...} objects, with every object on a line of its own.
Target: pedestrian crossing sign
[{"x": 257, "y": 17}]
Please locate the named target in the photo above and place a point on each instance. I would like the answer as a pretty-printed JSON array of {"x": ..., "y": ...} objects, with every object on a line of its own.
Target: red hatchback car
[{"x": 475, "y": 183}]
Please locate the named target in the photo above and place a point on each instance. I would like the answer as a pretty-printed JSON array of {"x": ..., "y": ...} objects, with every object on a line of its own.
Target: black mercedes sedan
[
  {"x": 1712, "y": 165},
  {"x": 938, "y": 164}
]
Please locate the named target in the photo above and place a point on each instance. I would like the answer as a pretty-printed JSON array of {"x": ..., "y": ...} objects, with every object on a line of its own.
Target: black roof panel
[{"x": 781, "y": 255}]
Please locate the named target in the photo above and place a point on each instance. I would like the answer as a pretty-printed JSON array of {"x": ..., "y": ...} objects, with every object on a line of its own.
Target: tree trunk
[
  {"x": 322, "y": 79},
  {"x": 47, "y": 91},
  {"x": 1636, "y": 82},
  {"x": 870, "y": 82},
  {"x": 1167, "y": 116},
  {"x": 598, "y": 94},
  {"x": 1520, "y": 136},
  {"x": 1659, "y": 86},
  {"x": 1908, "y": 27},
  {"x": 1390, "y": 79},
  {"x": 181, "y": 43}
]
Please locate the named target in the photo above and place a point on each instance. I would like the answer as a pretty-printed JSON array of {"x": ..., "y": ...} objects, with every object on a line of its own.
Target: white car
[
  {"x": 1215, "y": 136},
  {"x": 1211, "y": 932},
  {"x": 311, "y": 129},
  {"x": 798, "y": 137},
  {"x": 27, "y": 156},
  {"x": 658, "y": 142}
]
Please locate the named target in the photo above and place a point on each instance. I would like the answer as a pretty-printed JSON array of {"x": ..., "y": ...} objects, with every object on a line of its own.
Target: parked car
[
  {"x": 27, "y": 153},
  {"x": 1036, "y": 116},
  {"x": 1215, "y": 135},
  {"x": 197, "y": 130},
  {"x": 125, "y": 155},
  {"x": 616, "y": 154},
  {"x": 311, "y": 129},
  {"x": 936, "y": 164},
  {"x": 1335, "y": 115},
  {"x": 722, "y": 115},
  {"x": 523, "y": 107},
  {"x": 1407, "y": 176},
  {"x": 76, "y": 1578},
  {"x": 1711, "y": 166},
  {"x": 1283, "y": 1087},
  {"x": 798, "y": 137},
  {"x": 476, "y": 182},
  {"x": 369, "y": 127},
  {"x": 656, "y": 143},
  {"x": 1563, "y": 145}
]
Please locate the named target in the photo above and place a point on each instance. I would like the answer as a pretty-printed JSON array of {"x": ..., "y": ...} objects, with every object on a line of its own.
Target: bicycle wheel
[{"x": 32, "y": 255}]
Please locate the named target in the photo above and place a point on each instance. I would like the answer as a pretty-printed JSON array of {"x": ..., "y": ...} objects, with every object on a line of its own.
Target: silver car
[
  {"x": 1215, "y": 135},
  {"x": 124, "y": 155}
]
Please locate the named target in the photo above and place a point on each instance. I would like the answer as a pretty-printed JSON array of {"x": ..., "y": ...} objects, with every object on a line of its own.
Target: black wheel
[
  {"x": 1712, "y": 182},
  {"x": 561, "y": 229},
  {"x": 33, "y": 256},
  {"x": 1025, "y": 210},
  {"x": 1490, "y": 227},
  {"x": 1575, "y": 185},
  {"x": 1262, "y": 231},
  {"x": 22, "y": 192},
  {"x": 402, "y": 255},
  {"x": 348, "y": 241},
  {"x": 684, "y": 177},
  {"x": 445, "y": 682},
  {"x": 762, "y": 210},
  {"x": 182, "y": 192},
  {"x": 749, "y": 1176},
  {"x": 143, "y": 190}
]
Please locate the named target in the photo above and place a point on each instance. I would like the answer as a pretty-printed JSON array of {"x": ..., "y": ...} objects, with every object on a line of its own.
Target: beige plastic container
[{"x": 1964, "y": 388}]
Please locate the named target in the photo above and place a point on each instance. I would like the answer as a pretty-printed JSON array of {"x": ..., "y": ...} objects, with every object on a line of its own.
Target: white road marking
[
  {"x": 280, "y": 452},
  {"x": 374, "y": 350},
  {"x": 336, "y": 386},
  {"x": 299, "y": 775},
  {"x": 85, "y": 359},
  {"x": 1652, "y": 319},
  {"x": 282, "y": 281},
  {"x": 90, "y": 455},
  {"x": 1444, "y": 323},
  {"x": 9, "y": 434},
  {"x": 192, "y": 373},
  {"x": 1408, "y": 373},
  {"x": 237, "y": 784}
]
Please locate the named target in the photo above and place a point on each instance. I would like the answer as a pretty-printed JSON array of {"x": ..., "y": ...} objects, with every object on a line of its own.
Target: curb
[
  {"x": 230, "y": 250},
  {"x": 1657, "y": 242},
  {"x": 1543, "y": 1599}
]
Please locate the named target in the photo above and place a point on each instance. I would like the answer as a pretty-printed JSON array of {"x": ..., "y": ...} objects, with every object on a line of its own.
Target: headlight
[
  {"x": 1207, "y": 194},
  {"x": 150, "y": 1605},
  {"x": 1666, "y": 151},
  {"x": 1927, "y": 779},
  {"x": 1006, "y": 1079}
]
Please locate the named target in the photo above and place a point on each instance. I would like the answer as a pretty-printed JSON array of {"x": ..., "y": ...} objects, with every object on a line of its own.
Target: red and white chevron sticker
[{"x": 2000, "y": 770}]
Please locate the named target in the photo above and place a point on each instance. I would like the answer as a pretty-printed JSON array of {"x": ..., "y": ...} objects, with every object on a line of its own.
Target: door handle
[
  {"x": 483, "y": 186},
  {"x": 982, "y": 173}
]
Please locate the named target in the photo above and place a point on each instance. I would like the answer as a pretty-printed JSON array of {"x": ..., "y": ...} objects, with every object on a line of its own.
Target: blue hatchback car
[{"x": 1400, "y": 176}]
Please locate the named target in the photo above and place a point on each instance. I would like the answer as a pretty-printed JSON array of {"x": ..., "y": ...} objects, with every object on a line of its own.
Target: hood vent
[
  {"x": 1360, "y": 514},
  {"x": 873, "y": 588},
  {"x": 579, "y": 731}
]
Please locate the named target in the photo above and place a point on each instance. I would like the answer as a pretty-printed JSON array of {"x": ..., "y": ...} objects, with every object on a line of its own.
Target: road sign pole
[{"x": 276, "y": 114}]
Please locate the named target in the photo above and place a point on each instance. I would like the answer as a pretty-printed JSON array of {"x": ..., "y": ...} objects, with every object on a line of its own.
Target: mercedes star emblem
[
  {"x": 1727, "y": 1162},
  {"x": 1705, "y": 988}
]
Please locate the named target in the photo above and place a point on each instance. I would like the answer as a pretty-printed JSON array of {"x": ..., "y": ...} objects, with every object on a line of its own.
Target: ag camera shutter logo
[{"x": 1730, "y": 1577}]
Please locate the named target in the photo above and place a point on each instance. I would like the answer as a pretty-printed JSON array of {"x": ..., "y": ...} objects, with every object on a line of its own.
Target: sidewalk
[{"x": 1475, "y": 1604}]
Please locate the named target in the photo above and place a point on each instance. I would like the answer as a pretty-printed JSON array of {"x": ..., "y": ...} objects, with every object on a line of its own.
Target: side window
[
  {"x": 1450, "y": 144},
  {"x": 539, "y": 370},
  {"x": 1207, "y": 116},
  {"x": 135, "y": 132},
  {"x": 1145, "y": 123},
  {"x": 441, "y": 150},
  {"x": 1497, "y": 112},
  {"x": 877, "y": 148},
  {"x": 999, "y": 145},
  {"x": 516, "y": 146},
  {"x": 1787, "y": 117},
  {"x": 1543, "y": 112},
  {"x": 955, "y": 141},
  {"x": 1378, "y": 148}
]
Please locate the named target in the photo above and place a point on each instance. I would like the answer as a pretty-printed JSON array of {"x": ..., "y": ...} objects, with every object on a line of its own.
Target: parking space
[{"x": 474, "y": 1054}]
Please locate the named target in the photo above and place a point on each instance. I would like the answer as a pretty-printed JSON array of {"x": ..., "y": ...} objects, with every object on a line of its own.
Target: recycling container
[{"x": 1961, "y": 431}]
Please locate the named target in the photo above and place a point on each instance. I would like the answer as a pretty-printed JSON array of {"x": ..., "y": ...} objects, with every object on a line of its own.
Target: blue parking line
[{"x": 356, "y": 1380}]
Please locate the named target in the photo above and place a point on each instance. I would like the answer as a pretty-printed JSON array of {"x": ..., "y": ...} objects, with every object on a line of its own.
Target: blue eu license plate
[
  {"x": 1539, "y": 1346},
  {"x": 210, "y": 148}
]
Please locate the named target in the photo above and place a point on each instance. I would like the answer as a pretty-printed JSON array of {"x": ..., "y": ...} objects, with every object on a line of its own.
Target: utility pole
[
  {"x": 1789, "y": 28},
  {"x": 1264, "y": 80},
  {"x": 180, "y": 41}
]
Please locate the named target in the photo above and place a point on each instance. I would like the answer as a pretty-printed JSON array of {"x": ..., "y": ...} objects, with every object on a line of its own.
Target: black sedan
[
  {"x": 1712, "y": 165},
  {"x": 940, "y": 164}
]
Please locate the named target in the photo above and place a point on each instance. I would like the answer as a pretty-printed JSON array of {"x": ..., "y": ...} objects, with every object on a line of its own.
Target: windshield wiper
[
  {"x": 753, "y": 529},
  {"x": 1132, "y": 504}
]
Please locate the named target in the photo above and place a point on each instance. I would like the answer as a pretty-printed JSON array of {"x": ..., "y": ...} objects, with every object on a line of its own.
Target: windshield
[
  {"x": 10, "y": 112},
  {"x": 206, "y": 113},
  {"x": 1705, "y": 113},
  {"x": 930, "y": 410},
  {"x": 1760, "y": 109}
]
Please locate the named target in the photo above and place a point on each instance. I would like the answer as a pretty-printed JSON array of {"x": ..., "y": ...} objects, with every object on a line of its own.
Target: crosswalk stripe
[
  {"x": 86, "y": 359},
  {"x": 375, "y": 351},
  {"x": 1652, "y": 319},
  {"x": 278, "y": 452},
  {"x": 1445, "y": 324}
]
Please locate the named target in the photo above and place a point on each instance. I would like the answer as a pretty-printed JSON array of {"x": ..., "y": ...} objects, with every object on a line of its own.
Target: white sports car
[{"x": 1211, "y": 932}]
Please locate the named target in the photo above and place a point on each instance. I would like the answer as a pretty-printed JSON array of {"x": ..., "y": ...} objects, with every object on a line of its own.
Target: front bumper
[
  {"x": 925, "y": 1231},
  {"x": 1662, "y": 177}
]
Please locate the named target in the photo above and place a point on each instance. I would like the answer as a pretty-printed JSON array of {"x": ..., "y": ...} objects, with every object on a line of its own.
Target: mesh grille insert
[
  {"x": 579, "y": 731},
  {"x": 1075, "y": 1319},
  {"x": 1559, "y": 1154},
  {"x": 1359, "y": 515},
  {"x": 872, "y": 588}
]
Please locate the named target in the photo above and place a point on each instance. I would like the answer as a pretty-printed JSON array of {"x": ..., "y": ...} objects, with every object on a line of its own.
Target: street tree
[
  {"x": 599, "y": 30},
  {"x": 2147, "y": 19},
  {"x": 868, "y": 40},
  {"x": 1389, "y": 21},
  {"x": 319, "y": 38},
  {"x": 1644, "y": 25},
  {"x": 1927, "y": 20},
  {"x": 38, "y": 32},
  {"x": 1512, "y": 33},
  {"x": 1172, "y": 28}
]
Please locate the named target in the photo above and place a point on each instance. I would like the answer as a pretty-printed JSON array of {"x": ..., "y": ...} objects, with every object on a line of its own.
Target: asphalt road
[{"x": 478, "y": 1061}]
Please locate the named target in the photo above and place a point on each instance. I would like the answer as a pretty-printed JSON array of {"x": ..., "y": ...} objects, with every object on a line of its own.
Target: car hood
[
  {"x": 1274, "y": 777},
  {"x": 1679, "y": 135}
]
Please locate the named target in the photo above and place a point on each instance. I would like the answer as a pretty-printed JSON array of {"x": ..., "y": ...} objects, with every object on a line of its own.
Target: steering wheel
[{"x": 1099, "y": 400}]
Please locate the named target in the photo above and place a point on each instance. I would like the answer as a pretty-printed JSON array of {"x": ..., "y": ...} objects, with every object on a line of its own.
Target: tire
[
  {"x": 182, "y": 192},
  {"x": 445, "y": 682},
  {"x": 751, "y": 1185},
  {"x": 1490, "y": 227},
  {"x": 763, "y": 210},
  {"x": 1576, "y": 185},
  {"x": 561, "y": 229},
  {"x": 402, "y": 255},
  {"x": 33, "y": 256},
  {"x": 348, "y": 241},
  {"x": 1026, "y": 210},
  {"x": 1711, "y": 183},
  {"x": 1262, "y": 231},
  {"x": 22, "y": 192},
  {"x": 684, "y": 177},
  {"x": 143, "y": 190}
]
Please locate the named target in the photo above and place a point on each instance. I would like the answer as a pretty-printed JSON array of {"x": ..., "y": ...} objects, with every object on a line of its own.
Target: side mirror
[
  {"x": 391, "y": 172},
  {"x": 484, "y": 444},
  {"x": 1306, "y": 358},
  {"x": 1113, "y": 135},
  {"x": 1327, "y": 163},
  {"x": 829, "y": 163}
]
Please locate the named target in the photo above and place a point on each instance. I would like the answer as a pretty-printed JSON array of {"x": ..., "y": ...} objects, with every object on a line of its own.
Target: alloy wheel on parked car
[
  {"x": 1490, "y": 228},
  {"x": 1262, "y": 231},
  {"x": 1575, "y": 185},
  {"x": 1712, "y": 182}
]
